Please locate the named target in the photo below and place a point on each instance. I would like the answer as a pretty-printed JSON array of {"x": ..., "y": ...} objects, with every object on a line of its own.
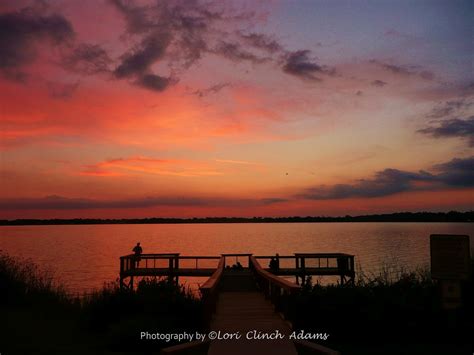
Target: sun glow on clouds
[
  {"x": 150, "y": 166},
  {"x": 117, "y": 108}
]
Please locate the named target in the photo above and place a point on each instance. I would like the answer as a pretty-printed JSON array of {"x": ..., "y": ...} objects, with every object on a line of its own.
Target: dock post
[
  {"x": 176, "y": 267},
  {"x": 121, "y": 272},
  {"x": 303, "y": 274},
  {"x": 297, "y": 267},
  {"x": 170, "y": 269},
  {"x": 351, "y": 261}
]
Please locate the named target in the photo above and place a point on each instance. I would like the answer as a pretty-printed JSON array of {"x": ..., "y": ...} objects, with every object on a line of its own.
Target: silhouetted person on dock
[
  {"x": 274, "y": 263},
  {"x": 237, "y": 266},
  {"x": 138, "y": 252}
]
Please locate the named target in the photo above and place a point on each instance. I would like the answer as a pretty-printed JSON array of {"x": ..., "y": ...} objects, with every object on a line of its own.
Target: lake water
[{"x": 83, "y": 257}]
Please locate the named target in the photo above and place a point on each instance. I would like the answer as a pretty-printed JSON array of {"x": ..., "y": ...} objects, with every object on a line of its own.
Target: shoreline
[{"x": 399, "y": 217}]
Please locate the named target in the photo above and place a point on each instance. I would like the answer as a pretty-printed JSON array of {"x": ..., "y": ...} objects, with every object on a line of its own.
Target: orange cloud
[
  {"x": 139, "y": 164},
  {"x": 240, "y": 162}
]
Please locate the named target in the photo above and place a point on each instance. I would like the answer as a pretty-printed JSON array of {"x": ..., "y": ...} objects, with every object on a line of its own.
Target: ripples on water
[{"x": 83, "y": 257}]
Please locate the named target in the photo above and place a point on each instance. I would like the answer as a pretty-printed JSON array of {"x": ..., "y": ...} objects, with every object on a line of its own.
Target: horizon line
[{"x": 403, "y": 216}]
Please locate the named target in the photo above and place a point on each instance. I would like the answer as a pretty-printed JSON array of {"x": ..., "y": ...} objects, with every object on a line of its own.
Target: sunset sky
[{"x": 238, "y": 108}]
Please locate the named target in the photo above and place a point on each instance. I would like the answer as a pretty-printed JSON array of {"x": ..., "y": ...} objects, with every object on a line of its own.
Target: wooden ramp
[{"x": 241, "y": 307}]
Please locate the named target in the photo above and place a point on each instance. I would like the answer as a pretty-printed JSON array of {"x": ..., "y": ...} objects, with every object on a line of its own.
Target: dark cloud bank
[
  {"x": 300, "y": 64},
  {"x": 176, "y": 34},
  {"x": 65, "y": 203},
  {"x": 457, "y": 173},
  {"x": 19, "y": 33},
  {"x": 404, "y": 70},
  {"x": 449, "y": 107},
  {"x": 454, "y": 127},
  {"x": 451, "y": 119},
  {"x": 23, "y": 32},
  {"x": 185, "y": 31},
  {"x": 87, "y": 59}
]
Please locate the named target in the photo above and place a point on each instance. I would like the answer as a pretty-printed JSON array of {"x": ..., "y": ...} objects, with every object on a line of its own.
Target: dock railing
[
  {"x": 280, "y": 291},
  {"x": 209, "y": 291},
  {"x": 152, "y": 261},
  {"x": 165, "y": 264},
  {"x": 337, "y": 263},
  {"x": 132, "y": 261},
  {"x": 307, "y": 264},
  {"x": 244, "y": 257},
  {"x": 173, "y": 265}
]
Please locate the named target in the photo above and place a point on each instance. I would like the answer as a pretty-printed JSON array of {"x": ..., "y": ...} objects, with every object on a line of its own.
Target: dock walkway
[
  {"x": 244, "y": 298},
  {"x": 242, "y": 308}
]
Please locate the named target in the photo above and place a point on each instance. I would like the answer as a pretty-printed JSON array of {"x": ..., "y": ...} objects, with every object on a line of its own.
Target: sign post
[{"x": 450, "y": 264}]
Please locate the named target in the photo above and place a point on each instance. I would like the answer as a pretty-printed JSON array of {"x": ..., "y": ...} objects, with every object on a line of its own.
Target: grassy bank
[
  {"x": 387, "y": 314},
  {"x": 39, "y": 317}
]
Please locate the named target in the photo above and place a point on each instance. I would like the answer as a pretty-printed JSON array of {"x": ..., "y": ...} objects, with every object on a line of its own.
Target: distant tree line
[{"x": 452, "y": 216}]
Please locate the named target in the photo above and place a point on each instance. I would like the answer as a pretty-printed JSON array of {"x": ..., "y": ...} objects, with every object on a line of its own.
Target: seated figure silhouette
[
  {"x": 273, "y": 264},
  {"x": 237, "y": 266},
  {"x": 138, "y": 252}
]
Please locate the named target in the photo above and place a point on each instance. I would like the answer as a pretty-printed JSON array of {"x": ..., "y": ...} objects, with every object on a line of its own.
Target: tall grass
[
  {"x": 22, "y": 281},
  {"x": 390, "y": 274},
  {"x": 393, "y": 306},
  {"x": 157, "y": 305},
  {"x": 42, "y": 318}
]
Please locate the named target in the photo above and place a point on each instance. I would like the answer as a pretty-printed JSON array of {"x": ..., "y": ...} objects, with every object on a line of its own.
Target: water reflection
[{"x": 83, "y": 257}]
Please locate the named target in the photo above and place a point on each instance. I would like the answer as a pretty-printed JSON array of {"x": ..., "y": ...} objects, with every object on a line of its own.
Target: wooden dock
[
  {"x": 242, "y": 308},
  {"x": 239, "y": 298},
  {"x": 171, "y": 265}
]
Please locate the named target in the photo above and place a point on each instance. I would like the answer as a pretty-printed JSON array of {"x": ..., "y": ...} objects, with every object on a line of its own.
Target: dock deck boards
[{"x": 242, "y": 308}]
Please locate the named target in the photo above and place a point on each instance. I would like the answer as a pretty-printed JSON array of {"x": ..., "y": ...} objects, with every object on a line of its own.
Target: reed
[
  {"x": 43, "y": 318},
  {"x": 21, "y": 280},
  {"x": 392, "y": 306}
]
